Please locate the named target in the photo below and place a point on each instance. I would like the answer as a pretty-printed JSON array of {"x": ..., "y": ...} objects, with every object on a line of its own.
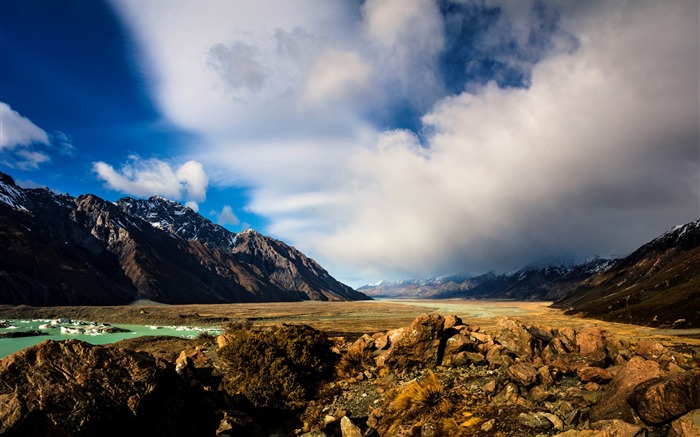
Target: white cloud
[
  {"x": 599, "y": 154},
  {"x": 17, "y": 131},
  {"x": 226, "y": 216},
  {"x": 152, "y": 177}
]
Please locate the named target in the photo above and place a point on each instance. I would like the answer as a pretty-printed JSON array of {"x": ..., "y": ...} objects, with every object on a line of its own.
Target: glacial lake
[{"x": 53, "y": 331}]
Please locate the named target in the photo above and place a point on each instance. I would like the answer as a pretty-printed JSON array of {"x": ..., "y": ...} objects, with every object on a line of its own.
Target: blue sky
[{"x": 386, "y": 139}]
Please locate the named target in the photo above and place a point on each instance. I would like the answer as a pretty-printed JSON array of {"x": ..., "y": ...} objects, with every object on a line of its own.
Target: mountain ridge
[{"x": 63, "y": 250}]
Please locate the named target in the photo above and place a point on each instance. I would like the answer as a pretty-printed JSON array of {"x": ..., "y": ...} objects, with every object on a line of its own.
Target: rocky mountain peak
[{"x": 10, "y": 193}]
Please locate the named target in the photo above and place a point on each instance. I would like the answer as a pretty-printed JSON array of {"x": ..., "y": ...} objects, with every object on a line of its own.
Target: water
[{"x": 11, "y": 345}]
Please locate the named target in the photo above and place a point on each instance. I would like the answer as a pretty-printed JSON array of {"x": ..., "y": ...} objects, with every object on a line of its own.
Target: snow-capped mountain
[
  {"x": 542, "y": 280},
  {"x": 658, "y": 284},
  {"x": 59, "y": 250}
]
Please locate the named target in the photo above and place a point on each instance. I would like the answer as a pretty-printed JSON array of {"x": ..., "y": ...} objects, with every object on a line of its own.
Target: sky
[{"x": 387, "y": 139}]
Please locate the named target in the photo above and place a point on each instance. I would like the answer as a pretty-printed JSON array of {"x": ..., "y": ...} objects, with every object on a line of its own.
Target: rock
[
  {"x": 539, "y": 394},
  {"x": 590, "y": 339},
  {"x": 614, "y": 404},
  {"x": 667, "y": 398},
  {"x": 314, "y": 434},
  {"x": 534, "y": 421},
  {"x": 235, "y": 423},
  {"x": 497, "y": 356},
  {"x": 72, "y": 387},
  {"x": 593, "y": 374},
  {"x": 567, "y": 335},
  {"x": 419, "y": 344},
  {"x": 488, "y": 426},
  {"x": 224, "y": 339},
  {"x": 619, "y": 428},
  {"x": 381, "y": 341},
  {"x": 489, "y": 387},
  {"x": 543, "y": 334},
  {"x": 464, "y": 358},
  {"x": 508, "y": 396},
  {"x": 652, "y": 350},
  {"x": 452, "y": 320},
  {"x": 686, "y": 426},
  {"x": 524, "y": 374},
  {"x": 348, "y": 428},
  {"x": 553, "y": 350},
  {"x": 362, "y": 344},
  {"x": 457, "y": 343},
  {"x": 545, "y": 377},
  {"x": 570, "y": 363},
  {"x": 583, "y": 433},
  {"x": 515, "y": 337},
  {"x": 556, "y": 422}
]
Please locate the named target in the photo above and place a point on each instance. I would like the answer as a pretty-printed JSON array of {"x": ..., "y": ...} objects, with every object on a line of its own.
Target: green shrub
[{"x": 280, "y": 367}]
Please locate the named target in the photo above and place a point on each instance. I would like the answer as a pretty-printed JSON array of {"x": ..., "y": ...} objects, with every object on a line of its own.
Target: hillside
[
  {"x": 658, "y": 284},
  {"x": 60, "y": 250}
]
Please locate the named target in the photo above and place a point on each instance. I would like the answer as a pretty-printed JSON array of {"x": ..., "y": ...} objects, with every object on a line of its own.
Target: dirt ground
[{"x": 349, "y": 319}]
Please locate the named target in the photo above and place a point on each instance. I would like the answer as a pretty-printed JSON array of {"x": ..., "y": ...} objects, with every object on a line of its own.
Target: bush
[
  {"x": 353, "y": 362},
  {"x": 280, "y": 367}
]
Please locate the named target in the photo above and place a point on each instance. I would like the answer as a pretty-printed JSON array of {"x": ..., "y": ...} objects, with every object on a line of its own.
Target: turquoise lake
[{"x": 11, "y": 345}]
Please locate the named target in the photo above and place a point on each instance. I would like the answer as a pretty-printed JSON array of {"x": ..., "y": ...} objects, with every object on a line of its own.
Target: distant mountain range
[
  {"x": 61, "y": 250},
  {"x": 657, "y": 285}
]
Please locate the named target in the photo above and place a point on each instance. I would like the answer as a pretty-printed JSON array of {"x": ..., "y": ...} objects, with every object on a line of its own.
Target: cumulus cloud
[
  {"x": 564, "y": 128},
  {"x": 153, "y": 177},
  {"x": 226, "y": 216}
]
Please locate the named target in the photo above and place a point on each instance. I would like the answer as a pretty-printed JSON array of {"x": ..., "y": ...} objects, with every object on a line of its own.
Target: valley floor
[{"x": 350, "y": 319}]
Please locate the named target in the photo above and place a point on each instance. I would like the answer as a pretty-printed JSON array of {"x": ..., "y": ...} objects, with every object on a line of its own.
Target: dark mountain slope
[
  {"x": 59, "y": 250},
  {"x": 658, "y": 284}
]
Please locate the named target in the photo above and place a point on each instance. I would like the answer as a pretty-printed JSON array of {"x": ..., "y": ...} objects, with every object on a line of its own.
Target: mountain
[
  {"x": 548, "y": 280},
  {"x": 658, "y": 284},
  {"x": 60, "y": 250}
]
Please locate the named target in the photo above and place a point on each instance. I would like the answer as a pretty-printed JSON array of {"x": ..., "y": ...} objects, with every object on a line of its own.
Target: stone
[
  {"x": 567, "y": 335},
  {"x": 451, "y": 321},
  {"x": 457, "y": 343},
  {"x": 419, "y": 344},
  {"x": 513, "y": 335},
  {"x": 590, "y": 339},
  {"x": 613, "y": 404},
  {"x": 593, "y": 374},
  {"x": 507, "y": 396},
  {"x": 524, "y": 374},
  {"x": 569, "y": 364},
  {"x": 349, "y": 429},
  {"x": 314, "y": 434},
  {"x": 686, "y": 426},
  {"x": 545, "y": 377},
  {"x": 539, "y": 394},
  {"x": 70, "y": 387},
  {"x": 660, "y": 400},
  {"x": 583, "y": 433},
  {"x": 497, "y": 356},
  {"x": 553, "y": 350},
  {"x": 541, "y": 333},
  {"x": 488, "y": 425},
  {"x": 534, "y": 421},
  {"x": 556, "y": 422},
  {"x": 224, "y": 339},
  {"x": 381, "y": 341},
  {"x": 652, "y": 350},
  {"x": 619, "y": 428},
  {"x": 489, "y": 387}
]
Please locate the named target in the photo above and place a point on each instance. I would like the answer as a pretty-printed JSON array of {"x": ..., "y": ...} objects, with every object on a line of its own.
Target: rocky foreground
[{"x": 438, "y": 376}]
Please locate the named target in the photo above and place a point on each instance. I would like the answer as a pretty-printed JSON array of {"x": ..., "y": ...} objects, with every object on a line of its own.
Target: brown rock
[
  {"x": 515, "y": 337},
  {"x": 457, "y": 343},
  {"x": 524, "y": 374},
  {"x": 614, "y": 404},
  {"x": 418, "y": 345},
  {"x": 553, "y": 350},
  {"x": 584, "y": 433},
  {"x": 567, "y": 335},
  {"x": 224, "y": 339},
  {"x": 507, "y": 396},
  {"x": 452, "y": 320},
  {"x": 619, "y": 428},
  {"x": 497, "y": 356},
  {"x": 534, "y": 420},
  {"x": 686, "y": 426},
  {"x": 652, "y": 350},
  {"x": 71, "y": 387},
  {"x": 569, "y": 364},
  {"x": 590, "y": 339},
  {"x": 539, "y": 394},
  {"x": 348, "y": 428},
  {"x": 593, "y": 374},
  {"x": 489, "y": 387},
  {"x": 660, "y": 400},
  {"x": 381, "y": 340},
  {"x": 545, "y": 377}
]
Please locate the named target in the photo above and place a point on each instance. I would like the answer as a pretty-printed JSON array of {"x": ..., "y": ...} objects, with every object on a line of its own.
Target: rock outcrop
[{"x": 71, "y": 388}]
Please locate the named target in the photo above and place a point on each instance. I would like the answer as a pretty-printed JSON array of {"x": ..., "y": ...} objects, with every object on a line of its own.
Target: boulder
[
  {"x": 418, "y": 345},
  {"x": 664, "y": 399},
  {"x": 224, "y": 339},
  {"x": 652, "y": 350},
  {"x": 590, "y": 339},
  {"x": 74, "y": 388},
  {"x": 619, "y": 428},
  {"x": 534, "y": 421},
  {"x": 348, "y": 428},
  {"x": 523, "y": 374},
  {"x": 451, "y": 321},
  {"x": 569, "y": 364},
  {"x": 497, "y": 356},
  {"x": 593, "y": 374},
  {"x": 515, "y": 337},
  {"x": 614, "y": 404},
  {"x": 686, "y": 426}
]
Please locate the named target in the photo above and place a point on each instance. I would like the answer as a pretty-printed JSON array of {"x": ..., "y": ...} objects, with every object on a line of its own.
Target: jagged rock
[
  {"x": 545, "y": 377},
  {"x": 590, "y": 339},
  {"x": 541, "y": 333},
  {"x": 72, "y": 387},
  {"x": 570, "y": 363},
  {"x": 381, "y": 340},
  {"x": 524, "y": 374},
  {"x": 556, "y": 422},
  {"x": 593, "y": 374},
  {"x": 508, "y": 396},
  {"x": 419, "y": 344},
  {"x": 618, "y": 428},
  {"x": 614, "y": 404},
  {"x": 534, "y": 421},
  {"x": 497, "y": 356},
  {"x": 464, "y": 358},
  {"x": 539, "y": 394},
  {"x": 555, "y": 348},
  {"x": 457, "y": 343},
  {"x": 452, "y": 321},
  {"x": 686, "y": 426},
  {"x": 583, "y": 433},
  {"x": 515, "y": 337},
  {"x": 660, "y": 400},
  {"x": 652, "y": 350},
  {"x": 224, "y": 339},
  {"x": 348, "y": 428},
  {"x": 236, "y": 423}
]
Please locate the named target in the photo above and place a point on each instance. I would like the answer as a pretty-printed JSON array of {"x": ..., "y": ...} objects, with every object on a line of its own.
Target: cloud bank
[
  {"x": 434, "y": 137},
  {"x": 153, "y": 177}
]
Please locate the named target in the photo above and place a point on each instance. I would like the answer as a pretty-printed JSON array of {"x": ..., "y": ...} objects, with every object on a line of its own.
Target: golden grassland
[{"x": 346, "y": 318}]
